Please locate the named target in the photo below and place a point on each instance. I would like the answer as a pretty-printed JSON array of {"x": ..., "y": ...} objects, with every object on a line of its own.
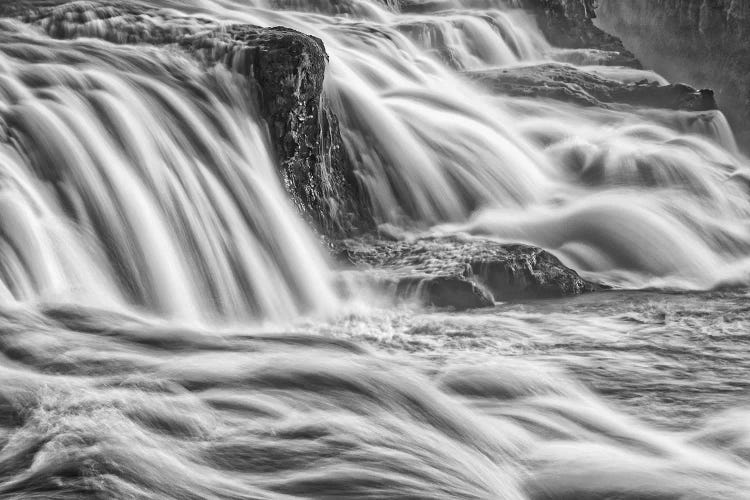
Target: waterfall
[
  {"x": 150, "y": 181},
  {"x": 134, "y": 177},
  {"x": 634, "y": 197},
  {"x": 171, "y": 328}
]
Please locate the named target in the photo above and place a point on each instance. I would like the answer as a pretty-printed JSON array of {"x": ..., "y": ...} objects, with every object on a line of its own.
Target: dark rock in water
[
  {"x": 673, "y": 96},
  {"x": 445, "y": 291},
  {"x": 463, "y": 273},
  {"x": 567, "y": 83},
  {"x": 569, "y": 24},
  {"x": 701, "y": 41},
  {"x": 565, "y": 23},
  {"x": 286, "y": 70}
]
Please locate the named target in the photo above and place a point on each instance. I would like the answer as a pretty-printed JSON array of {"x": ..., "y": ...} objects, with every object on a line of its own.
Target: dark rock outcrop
[
  {"x": 286, "y": 70},
  {"x": 569, "y": 24},
  {"x": 701, "y": 41},
  {"x": 569, "y": 84},
  {"x": 565, "y": 23},
  {"x": 463, "y": 273}
]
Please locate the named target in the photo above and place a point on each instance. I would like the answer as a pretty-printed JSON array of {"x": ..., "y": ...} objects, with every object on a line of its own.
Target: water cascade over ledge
[
  {"x": 431, "y": 146},
  {"x": 171, "y": 326},
  {"x": 135, "y": 176}
]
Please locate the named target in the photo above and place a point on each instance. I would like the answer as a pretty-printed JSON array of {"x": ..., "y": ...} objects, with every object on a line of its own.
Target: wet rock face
[
  {"x": 567, "y": 83},
  {"x": 702, "y": 41},
  {"x": 569, "y": 24},
  {"x": 286, "y": 69},
  {"x": 565, "y": 23},
  {"x": 463, "y": 273}
]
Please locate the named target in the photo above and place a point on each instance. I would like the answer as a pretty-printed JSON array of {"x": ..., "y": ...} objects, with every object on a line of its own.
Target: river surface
[
  {"x": 170, "y": 328},
  {"x": 672, "y": 359},
  {"x": 612, "y": 395}
]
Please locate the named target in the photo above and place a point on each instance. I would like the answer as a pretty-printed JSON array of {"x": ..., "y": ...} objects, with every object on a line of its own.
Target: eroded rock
[
  {"x": 569, "y": 24},
  {"x": 463, "y": 273},
  {"x": 288, "y": 69}
]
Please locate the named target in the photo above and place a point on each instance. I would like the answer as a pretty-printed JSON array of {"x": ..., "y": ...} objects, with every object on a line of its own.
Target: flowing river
[{"x": 171, "y": 328}]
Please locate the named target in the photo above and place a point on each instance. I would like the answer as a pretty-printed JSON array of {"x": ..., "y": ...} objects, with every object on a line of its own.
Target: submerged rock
[
  {"x": 444, "y": 291},
  {"x": 463, "y": 273},
  {"x": 570, "y": 84}
]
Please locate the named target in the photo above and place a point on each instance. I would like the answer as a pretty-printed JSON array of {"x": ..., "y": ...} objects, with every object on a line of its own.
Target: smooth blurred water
[
  {"x": 139, "y": 209},
  {"x": 432, "y": 147},
  {"x": 613, "y": 395},
  {"x": 631, "y": 197},
  {"x": 133, "y": 176}
]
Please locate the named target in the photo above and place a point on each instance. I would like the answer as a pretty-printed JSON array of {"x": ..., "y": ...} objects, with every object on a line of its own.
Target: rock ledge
[
  {"x": 463, "y": 273},
  {"x": 567, "y": 83}
]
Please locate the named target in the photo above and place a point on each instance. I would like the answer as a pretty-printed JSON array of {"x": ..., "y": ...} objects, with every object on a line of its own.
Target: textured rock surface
[
  {"x": 285, "y": 68},
  {"x": 565, "y": 23},
  {"x": 569, "y": 24},
  {"x": 464, "y": 273},
  {"x": 288, "y": 68},
  {"x": 567, "y": 83},
  {"x": 706, "y": 42}
]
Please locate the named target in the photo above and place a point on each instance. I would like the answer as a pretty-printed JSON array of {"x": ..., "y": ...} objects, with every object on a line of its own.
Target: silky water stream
[{"x": 170, "y": 328}]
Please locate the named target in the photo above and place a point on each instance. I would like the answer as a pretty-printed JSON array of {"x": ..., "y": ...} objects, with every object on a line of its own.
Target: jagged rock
[
  {"x": 286, "y": 69},
  {"x": 567, "y": 83},
  {"x": 21, "y": 8},
  {"x": 701, "y": 41},
  {"x": 565, "y": 23},
  {"x": 463, "y": 273},
  {"x": 569, "y": 24}
]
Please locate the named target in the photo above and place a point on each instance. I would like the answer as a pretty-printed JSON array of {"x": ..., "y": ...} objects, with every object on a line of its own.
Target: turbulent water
[{"x": 171, "y": 329}]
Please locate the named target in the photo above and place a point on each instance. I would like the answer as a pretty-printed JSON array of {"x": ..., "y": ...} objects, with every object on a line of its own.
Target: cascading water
[
  {"x": 135, "y": 177},
  {"x": 437, "y": 148},
  {"x": 140, "y": 194},
  {"x": 431, "y": 146}
]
